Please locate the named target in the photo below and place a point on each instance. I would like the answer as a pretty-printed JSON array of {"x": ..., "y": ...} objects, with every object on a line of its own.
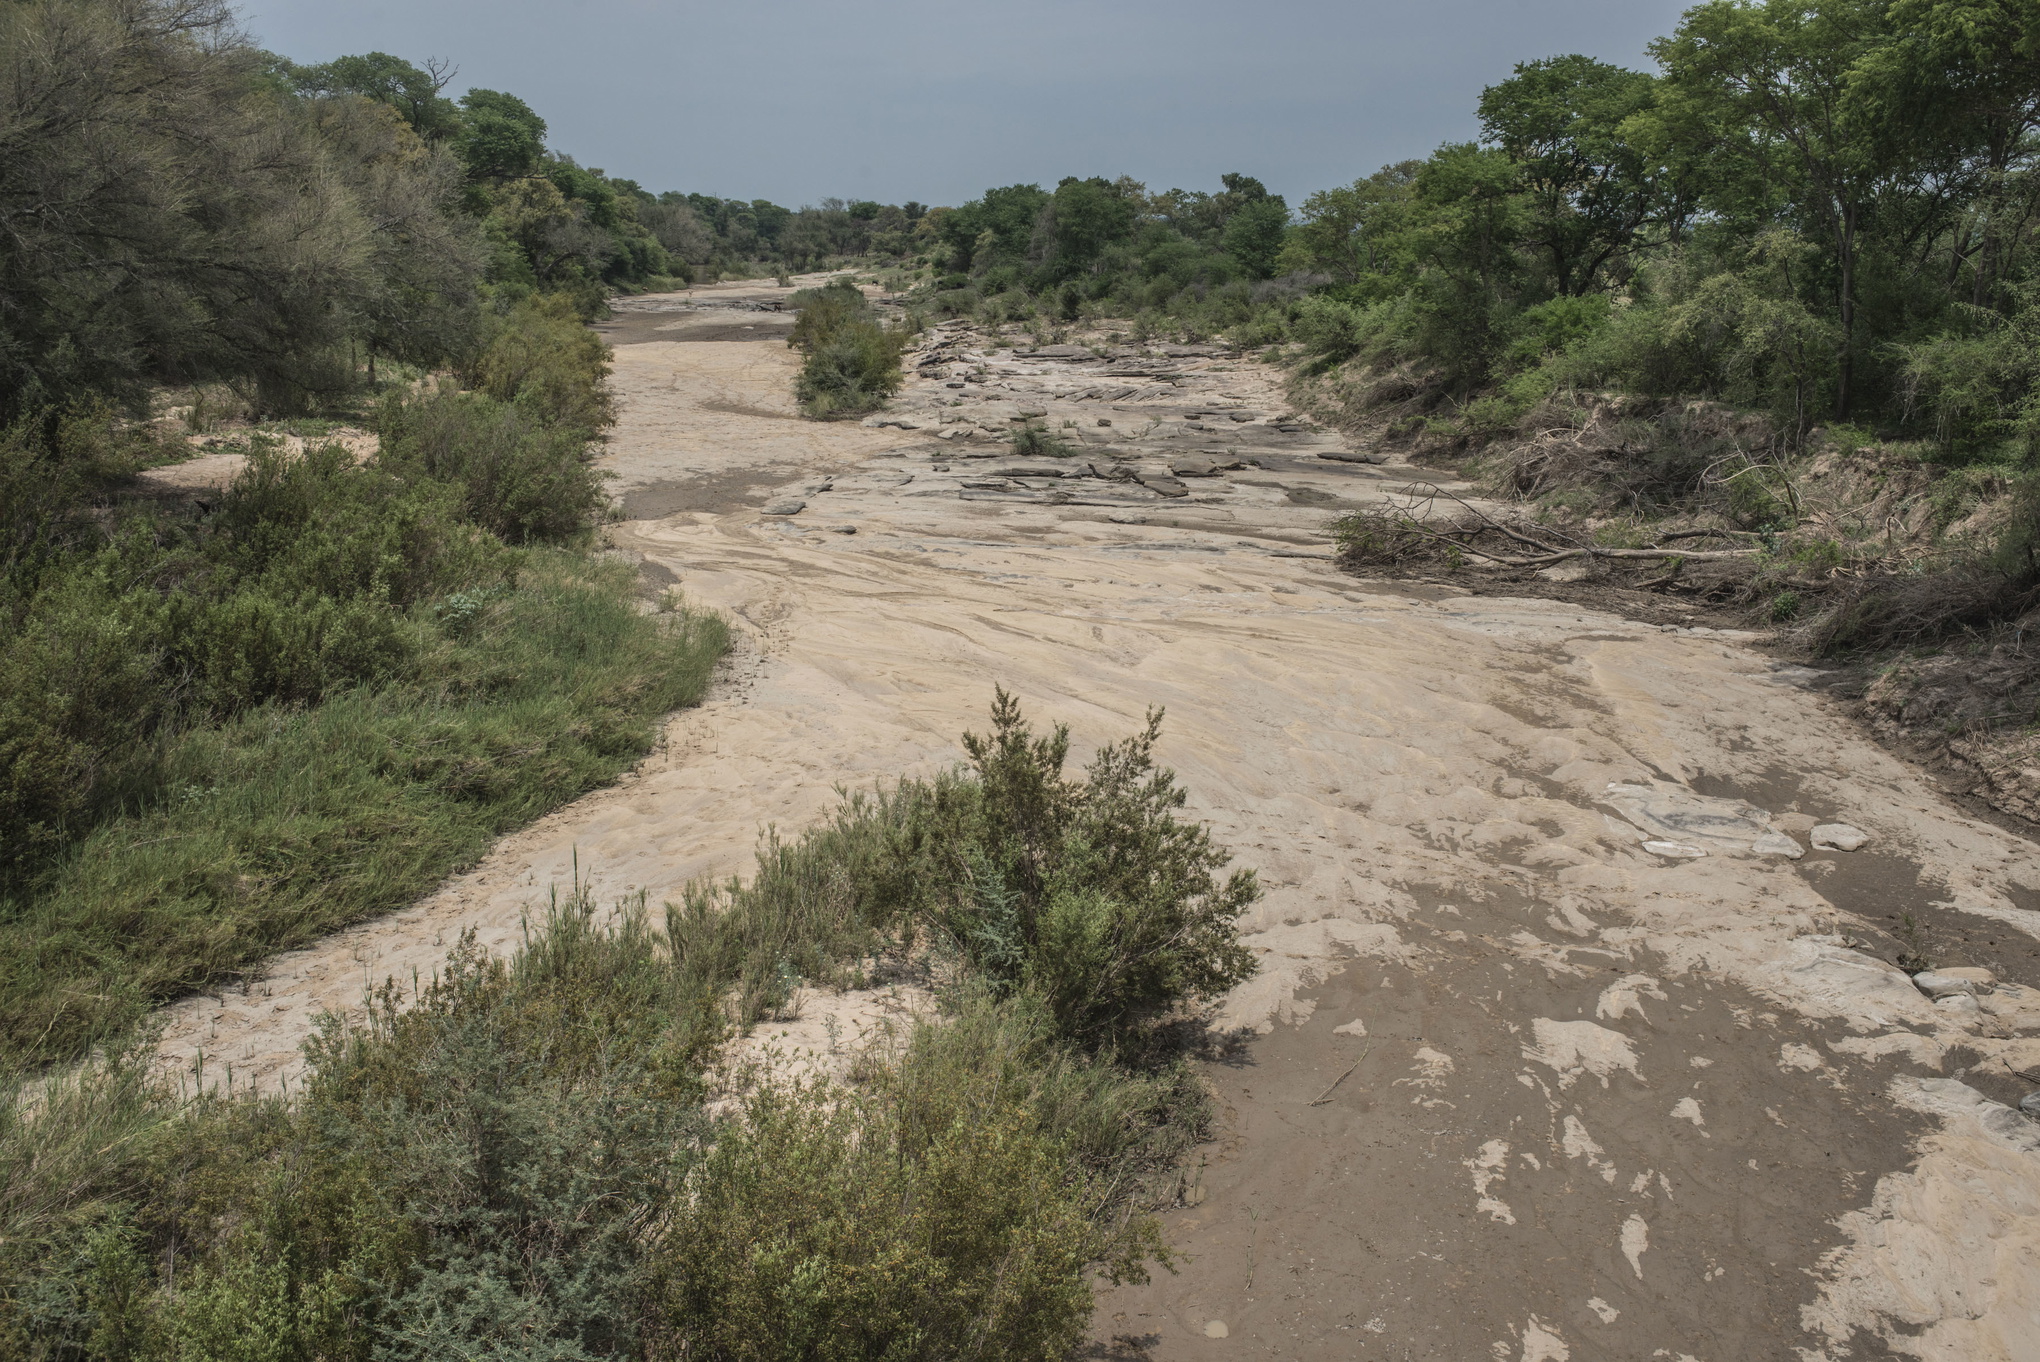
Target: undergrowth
[{"x": 518, "y": 1158}]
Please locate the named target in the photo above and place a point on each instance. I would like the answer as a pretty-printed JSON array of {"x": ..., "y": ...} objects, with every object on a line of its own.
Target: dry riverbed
[{"x": 1524, "y": 1077}]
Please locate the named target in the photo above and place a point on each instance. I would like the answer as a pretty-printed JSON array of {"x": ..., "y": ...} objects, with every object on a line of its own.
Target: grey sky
[{"x": 795, "y": 100}]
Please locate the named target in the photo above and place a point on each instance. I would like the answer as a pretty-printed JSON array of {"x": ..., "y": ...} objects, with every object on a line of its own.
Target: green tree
[
  {"x": 1590, "y": 191},
  {"x": 1774, "y": 77},
  {"x": 412, "y": 91},
  {"x": 501, "y": 137}
]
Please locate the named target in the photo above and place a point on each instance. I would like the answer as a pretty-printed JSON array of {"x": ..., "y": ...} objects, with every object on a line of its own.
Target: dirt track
[{"x": 1596, "y": 1103}]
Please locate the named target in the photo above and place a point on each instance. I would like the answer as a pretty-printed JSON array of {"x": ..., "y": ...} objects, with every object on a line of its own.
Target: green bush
[
  {"x": 523, "y": 478},
  {"x": 1091, "y": 896},
  {"x": 539, "y": 357},
  {"x": 852, "y": 362}
]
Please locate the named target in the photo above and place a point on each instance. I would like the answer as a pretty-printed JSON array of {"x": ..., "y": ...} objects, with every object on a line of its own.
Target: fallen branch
[{"x": 1326, "y": 1095}]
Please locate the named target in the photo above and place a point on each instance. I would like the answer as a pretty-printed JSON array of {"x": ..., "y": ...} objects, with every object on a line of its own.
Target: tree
[
  {"x": 1590, "y": 190},
  {"x": 410, "y": 90},
  {"x": 1345, "y": 231},
  {"x": 1252, "y": 223},
  {"x": 1082, "y": 219},
  {"x": 501, "y": 137},
  {"x": 1775, "y": 77}
]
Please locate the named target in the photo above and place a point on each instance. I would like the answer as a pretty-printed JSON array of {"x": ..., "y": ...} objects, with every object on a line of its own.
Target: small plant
[
  {"x": 1035, "y": 441},
  {"x": 1912, "y": 940}
]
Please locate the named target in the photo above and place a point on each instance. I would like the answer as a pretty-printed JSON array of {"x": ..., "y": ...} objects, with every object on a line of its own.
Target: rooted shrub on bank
[
  {"x": 230, "y": 724},
  {"x": 516, "y": 1160}
]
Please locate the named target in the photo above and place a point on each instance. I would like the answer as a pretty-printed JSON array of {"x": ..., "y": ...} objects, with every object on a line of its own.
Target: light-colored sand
[{"x": 1375, "y": 751}]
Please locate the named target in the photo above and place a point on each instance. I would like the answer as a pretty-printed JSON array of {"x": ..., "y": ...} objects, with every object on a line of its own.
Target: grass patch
[{"x": 289, "y": 822}]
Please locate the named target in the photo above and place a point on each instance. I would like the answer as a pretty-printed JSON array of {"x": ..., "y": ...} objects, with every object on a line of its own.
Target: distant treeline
[{"x": 1825, "y": 208}]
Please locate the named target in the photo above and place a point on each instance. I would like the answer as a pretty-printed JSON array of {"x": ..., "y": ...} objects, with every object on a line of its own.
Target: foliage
[
  {"x": 516, "y": 1156},
  {"x": 852, "y": 360}
]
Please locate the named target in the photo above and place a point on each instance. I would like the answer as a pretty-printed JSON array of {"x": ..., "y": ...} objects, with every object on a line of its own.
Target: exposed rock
[
  {"x": 1030, "y": 471},
  {"x": 1839, "y": 837},
  {"x": 784, "y": 506},
  {"x": 1938, "y": 986},
  {"x": 1775, "y": 843},
  {"x": 1193, "y": 468},
  {"x": 1350, "y": 455},
  {"x": 842, "y": 529},
  {"x": 1164, "y": 484},
  {"x": 1984, "y": 980}
]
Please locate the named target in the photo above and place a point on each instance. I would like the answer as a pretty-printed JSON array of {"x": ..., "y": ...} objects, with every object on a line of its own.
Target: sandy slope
[{"x": 1596, "y": 1102}]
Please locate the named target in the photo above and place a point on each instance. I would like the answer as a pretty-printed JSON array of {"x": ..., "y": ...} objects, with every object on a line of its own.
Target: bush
[
  {"x": 1090, "y": 896},
  {"x": 523, "y": 478},
  {"x": 541, "y": 359},
  {"x": 852, "y": 362}
]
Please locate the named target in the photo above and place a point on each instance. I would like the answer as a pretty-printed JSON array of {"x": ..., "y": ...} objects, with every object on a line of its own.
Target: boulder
[
  {"x": 1194, "y": 468},
  {"x": 1984, "y": 980},
  {"x": 1839, "y": 837},
  {"x": 1937, "y": 985},
  {"x": 785, "y": 506}
]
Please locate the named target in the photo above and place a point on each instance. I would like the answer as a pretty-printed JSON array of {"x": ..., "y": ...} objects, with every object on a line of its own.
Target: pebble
[{"x": 1839, "y": 837}]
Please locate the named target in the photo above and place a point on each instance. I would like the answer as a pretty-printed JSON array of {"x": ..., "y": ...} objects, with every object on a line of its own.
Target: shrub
[
  {"x": 514, "y": 1158},
  {"x": 526, "y": 479},
  {"x": 541, "y": 359},
  {"x": 1090, "y": 896},
  {"x": 852, "y": 362}
]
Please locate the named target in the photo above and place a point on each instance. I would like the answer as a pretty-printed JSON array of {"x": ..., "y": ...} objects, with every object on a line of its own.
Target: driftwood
[{"x": 1424, "y": 493}]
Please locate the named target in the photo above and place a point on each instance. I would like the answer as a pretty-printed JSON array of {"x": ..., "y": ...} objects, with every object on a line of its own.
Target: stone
[
  {"x": 2030, "y": 1105},
  {"x": 785, "y": 506},
  {"x": 1029, "y": 413},
  {"x": 1243, "y": 416},
  {"x": 1985, "y": 981},
  {"x": 1194, "y": 468},
  {"x": 1937, "y": 985},
  {"x": 941, "y": 468},
  {"x": 1839, "y": 837},
  {"x": 1351, "y": 455},
  {"x": 842, "y": 529},
  {"x": 1104, "y": 420},
  {"x": 1775, "y": 843},
  {"x": 1167, "y": 486},
  {"x": 1030, "y": 471},
  {"x": 1959, "y": 1005},
  {"x": 1677, "y": 851}
]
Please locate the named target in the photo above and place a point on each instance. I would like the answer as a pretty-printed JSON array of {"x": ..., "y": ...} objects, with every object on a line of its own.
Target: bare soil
[{"x": 1508, "y": 1085}]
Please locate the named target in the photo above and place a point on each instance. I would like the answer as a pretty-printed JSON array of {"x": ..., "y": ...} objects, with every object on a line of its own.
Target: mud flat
[{"x": 1514, "y": 1085}]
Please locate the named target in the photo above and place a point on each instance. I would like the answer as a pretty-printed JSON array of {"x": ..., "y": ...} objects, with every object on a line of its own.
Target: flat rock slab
[
  {"x": 1167, "y": 486},
  {"x": 1351, "y": 455},
  {"x": 784, "y": 506}
]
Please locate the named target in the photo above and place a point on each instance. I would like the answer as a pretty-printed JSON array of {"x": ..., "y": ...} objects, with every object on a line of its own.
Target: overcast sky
[{"x": 797, "y": 100}]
